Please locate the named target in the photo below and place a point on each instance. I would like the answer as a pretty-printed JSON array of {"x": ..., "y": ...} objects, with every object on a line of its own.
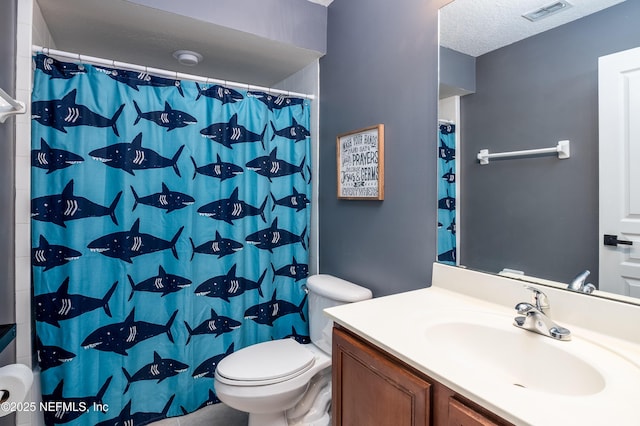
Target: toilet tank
[{"x": 326, "y": 291}]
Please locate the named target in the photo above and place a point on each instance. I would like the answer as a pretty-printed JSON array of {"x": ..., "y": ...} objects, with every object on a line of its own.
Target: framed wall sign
[{"x": 360, "y": 156}]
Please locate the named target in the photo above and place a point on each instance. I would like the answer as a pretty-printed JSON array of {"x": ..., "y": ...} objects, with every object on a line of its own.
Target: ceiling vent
[{"x": 548, "y": 10}]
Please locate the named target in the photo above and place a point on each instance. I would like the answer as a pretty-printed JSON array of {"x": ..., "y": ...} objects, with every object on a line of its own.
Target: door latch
[{"x": 612, "y": 240}]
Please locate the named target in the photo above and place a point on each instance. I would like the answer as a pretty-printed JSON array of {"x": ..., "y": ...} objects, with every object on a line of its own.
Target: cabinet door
[
  {"x": 370, "y": 389},
  {"x": 461, "y": 415}
]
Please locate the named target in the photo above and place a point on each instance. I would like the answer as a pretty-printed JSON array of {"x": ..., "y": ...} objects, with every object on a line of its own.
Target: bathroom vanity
[
  {"x": 373, "y": 387},
  {"x": 450, "y": 355}
]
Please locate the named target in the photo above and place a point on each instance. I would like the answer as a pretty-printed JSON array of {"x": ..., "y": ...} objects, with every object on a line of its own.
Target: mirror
[{"x": 534, "y": 214}]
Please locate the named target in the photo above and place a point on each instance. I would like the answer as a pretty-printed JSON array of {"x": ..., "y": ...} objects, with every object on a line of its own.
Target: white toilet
[{"x": 283, "y": 382}]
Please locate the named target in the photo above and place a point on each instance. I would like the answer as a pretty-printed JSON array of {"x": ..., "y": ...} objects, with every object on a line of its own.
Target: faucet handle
[
  {"x": 579, "y": 283},
  {"x": 539, "y": 299},
  {"x": 581, "y": 278}
]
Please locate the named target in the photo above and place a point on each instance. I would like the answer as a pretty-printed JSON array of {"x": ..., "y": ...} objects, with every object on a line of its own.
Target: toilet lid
[{"x": 267, "y": 363}]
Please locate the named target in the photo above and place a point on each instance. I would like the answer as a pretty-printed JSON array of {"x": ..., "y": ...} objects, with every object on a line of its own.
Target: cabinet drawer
[
  {"x": 461, "y": 415},
  {"x": 370, "y": 389}
]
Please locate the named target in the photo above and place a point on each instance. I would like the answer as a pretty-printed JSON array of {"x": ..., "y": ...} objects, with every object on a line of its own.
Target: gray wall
[
  {"x": 381, "y": 67},
  {"x": 539, "y": 215},
  {"x": 299, "y": 23},
  {"x": 7, "y": 167},
  {"x": 7, "y": 171}
]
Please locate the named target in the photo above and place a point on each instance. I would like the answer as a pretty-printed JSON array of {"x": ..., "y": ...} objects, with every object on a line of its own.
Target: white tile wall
[
  {"x": 41, "y": 34},
  {"x": 31, "y": 29},
  {"x": 23, "y": 181}
]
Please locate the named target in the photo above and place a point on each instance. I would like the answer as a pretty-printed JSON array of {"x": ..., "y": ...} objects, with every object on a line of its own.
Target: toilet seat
[{"x": 265, "y": 363}]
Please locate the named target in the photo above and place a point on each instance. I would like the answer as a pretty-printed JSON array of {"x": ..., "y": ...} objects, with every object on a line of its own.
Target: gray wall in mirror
[
  {"x": 457, "y": 73},
  {"x": 538, "y": 215}
]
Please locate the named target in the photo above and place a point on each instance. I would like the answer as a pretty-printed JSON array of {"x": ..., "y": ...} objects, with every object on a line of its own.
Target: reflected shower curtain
[
  {"x": 169, "y": 229},
  {"x": 447, "y": 194}
]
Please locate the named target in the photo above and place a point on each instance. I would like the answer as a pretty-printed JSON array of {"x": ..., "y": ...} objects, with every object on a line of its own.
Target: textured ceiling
[
  {"x": 476, "y": 27},
  {"x": 120, "y": 30}
]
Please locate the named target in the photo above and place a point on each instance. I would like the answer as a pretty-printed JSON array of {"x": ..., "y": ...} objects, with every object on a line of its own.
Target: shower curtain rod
[{"x": 163, "y": 73}]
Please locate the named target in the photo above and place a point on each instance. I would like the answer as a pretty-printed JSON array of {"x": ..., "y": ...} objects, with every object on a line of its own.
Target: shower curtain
[
  {"x": 447, "y": 194},
  {"x": 170, "y": 224}
]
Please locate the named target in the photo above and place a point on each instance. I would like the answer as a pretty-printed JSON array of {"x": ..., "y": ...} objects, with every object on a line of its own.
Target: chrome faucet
[
  {"x": 535, "y": 317},
  {"x": 579, "y": 283}
]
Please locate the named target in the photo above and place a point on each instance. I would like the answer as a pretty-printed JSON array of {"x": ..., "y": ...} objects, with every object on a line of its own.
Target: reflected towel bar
[
  {"x": 562, "y": 149},
  {"x": 13, "y": 107}
]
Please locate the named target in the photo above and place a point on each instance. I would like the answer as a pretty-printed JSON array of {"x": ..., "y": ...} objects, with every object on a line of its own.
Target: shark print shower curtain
[
  {"x": 447, "y": 195},
  {"x": 170, "y": 224}
]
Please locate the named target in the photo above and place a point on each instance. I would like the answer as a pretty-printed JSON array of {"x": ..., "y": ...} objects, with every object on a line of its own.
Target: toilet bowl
[
  {"x": 283, "y": 382},
  {"x": 267, "y": 398}
]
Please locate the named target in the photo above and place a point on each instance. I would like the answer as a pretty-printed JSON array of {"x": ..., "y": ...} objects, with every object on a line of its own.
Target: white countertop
[{"x": 398, "y": 323}]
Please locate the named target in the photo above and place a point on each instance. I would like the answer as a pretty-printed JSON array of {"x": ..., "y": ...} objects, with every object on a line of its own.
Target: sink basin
[{"x": 516, "y": 357}]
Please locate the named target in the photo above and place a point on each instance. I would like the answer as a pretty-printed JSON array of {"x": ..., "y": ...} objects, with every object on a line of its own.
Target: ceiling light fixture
[
  {"x": 187, "y": 57},
  {"x": 548, "y": 10}
]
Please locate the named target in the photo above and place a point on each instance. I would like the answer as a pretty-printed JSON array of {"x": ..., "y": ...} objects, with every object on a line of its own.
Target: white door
[{"x": 619, "y": 123}]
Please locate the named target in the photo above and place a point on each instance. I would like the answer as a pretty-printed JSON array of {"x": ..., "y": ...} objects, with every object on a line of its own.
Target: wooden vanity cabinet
[{"x": 373, "y": 388}]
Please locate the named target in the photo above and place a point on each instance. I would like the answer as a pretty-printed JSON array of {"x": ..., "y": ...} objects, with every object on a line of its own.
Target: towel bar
[
  {"x": 562, "y": 149},
  {"x": 12, "y": 107}
]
